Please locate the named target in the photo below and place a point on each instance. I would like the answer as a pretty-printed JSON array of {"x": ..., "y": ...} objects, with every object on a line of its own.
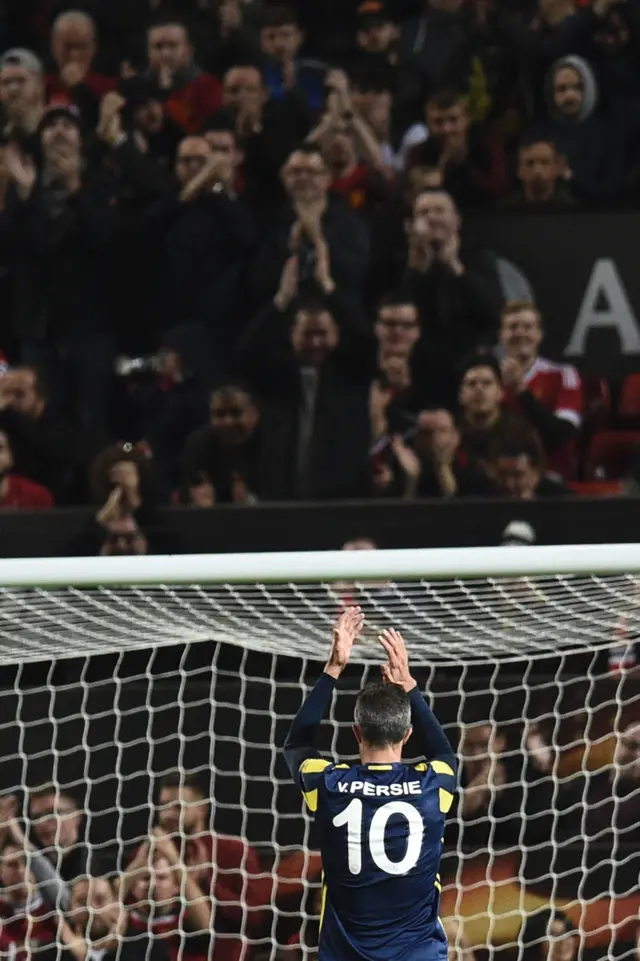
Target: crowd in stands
[
  {"x": 185, "y": 892},
  {"x": 233, "y": 249}
]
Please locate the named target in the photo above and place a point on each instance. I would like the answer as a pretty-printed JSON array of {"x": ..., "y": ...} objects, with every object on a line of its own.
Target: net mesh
[
  {"x": 107, "y": 693},
  {"x": 442, "y": 621}
]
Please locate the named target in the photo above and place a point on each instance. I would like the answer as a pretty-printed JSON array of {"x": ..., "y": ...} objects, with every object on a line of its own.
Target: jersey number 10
[{"x": 352, "y": 817}]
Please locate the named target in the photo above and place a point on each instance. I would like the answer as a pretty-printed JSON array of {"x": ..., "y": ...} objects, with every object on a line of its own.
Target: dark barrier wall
[
  {"x": 583, "y": 271},
  {"x": 324, "y": 527}
]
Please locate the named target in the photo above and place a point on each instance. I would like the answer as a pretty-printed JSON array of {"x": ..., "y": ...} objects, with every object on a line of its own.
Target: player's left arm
[{"x": 299, "y": 747}]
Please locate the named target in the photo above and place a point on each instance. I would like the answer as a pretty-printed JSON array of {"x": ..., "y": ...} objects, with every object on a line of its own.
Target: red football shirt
[
  {"x": 557, "y": 387},
  {"x": 25, "y": 493},
  {"x": 362, "y": 188},
  {"x": 24, "y": 928}
]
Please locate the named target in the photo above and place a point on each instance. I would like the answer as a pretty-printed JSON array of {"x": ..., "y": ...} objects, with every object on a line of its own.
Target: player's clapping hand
[
  {"x": 345, "y": 634},
  {"x": 396, "y": 670}
]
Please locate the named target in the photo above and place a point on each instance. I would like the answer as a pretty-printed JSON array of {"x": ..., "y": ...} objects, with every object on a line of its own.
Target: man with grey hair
[
  {"x": 21, "y": 92},
  {"x": 74, "y": 46}
]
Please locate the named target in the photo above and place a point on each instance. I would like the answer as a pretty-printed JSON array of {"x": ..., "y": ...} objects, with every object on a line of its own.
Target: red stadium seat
[
  {"x": 597, "y": 402},
  {"x": 607, "y": 488},
  {"x": 611, "y": 454},
  {"x": 629, "y": 403}
]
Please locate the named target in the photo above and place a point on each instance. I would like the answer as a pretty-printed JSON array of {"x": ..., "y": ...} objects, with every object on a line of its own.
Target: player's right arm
[
  {"x": 430, "y": 733},
  {"x": 302, "y": 758}
]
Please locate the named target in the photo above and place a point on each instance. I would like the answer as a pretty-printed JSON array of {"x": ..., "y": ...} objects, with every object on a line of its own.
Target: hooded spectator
[{"x": 591, "y": 145}]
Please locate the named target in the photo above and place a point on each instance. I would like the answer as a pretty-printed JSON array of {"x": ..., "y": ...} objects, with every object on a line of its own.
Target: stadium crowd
[{"x": 233, "y": 249}]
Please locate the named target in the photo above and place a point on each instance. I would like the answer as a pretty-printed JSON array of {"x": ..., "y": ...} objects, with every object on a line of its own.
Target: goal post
[{"x": 115, "y": 672}]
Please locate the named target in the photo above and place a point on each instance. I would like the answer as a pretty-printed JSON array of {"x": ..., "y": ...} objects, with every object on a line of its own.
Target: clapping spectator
[
  {"x": 456, "y": 287},
  {"x": 103, "y": 926},
  {"x": 285, "y": 70},
  {"x": 445, "y": 472},
  {"x": 58, "y": 223},
  {"x": 74, "y": 45},
  {"x": 206, "y": 233},
  {"x": 313, "y": 219},
  {"x": 546, "y": 394},
  {"x": 221, "y": 461},
  {"x": 473, "y": 166},
  {"x": 22, "y": 94},
  {"x": 189, "y": 95},
  {"x": 124, "y": 485},
  {"x": 376, "y": 38}
]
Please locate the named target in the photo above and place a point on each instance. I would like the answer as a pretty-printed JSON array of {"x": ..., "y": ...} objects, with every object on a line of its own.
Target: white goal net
[{"x": 145, "y": 701}]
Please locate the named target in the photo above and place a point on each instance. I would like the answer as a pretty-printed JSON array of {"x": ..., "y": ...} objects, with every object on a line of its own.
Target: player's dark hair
[
  {"x": 182, "y": 779},
  {"x": 396, "y": 299},
  {"x": 446, "y": 99},
  {"x": 535, "y": 932},
  {"x": 280, "y": 16},
  {"x": 383, "y": 714}
]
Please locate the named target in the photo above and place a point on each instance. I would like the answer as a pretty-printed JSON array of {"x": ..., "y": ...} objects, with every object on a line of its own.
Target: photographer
[{"x": 127, "y": 489}]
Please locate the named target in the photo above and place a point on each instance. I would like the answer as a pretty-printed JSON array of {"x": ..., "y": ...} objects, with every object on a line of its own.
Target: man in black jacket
[{"x": 57, "y": 226}]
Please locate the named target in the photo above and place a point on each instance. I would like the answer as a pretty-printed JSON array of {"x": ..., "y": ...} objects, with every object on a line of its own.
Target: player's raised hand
[
  {"x": 345, "y": 633},
  {"x": 396, "y": 670}
]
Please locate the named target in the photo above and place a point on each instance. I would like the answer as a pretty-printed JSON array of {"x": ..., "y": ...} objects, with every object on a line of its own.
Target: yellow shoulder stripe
[
  {"x": 342, "y": 767},
  {"x": 314, "y": 765},
  {"x": 441, "y": 767},
  {"x": 422, "y": 766},
  {"x": 446, "y": 800},
  {"x": 380, "y": 767}
]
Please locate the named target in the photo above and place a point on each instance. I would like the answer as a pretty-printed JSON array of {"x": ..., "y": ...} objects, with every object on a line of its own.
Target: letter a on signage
[{"x": 605, "y": 304}]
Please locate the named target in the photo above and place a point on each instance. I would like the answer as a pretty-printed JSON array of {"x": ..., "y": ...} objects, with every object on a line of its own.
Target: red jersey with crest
[
  {"x": 24, "y": 928},
  {"x": 557, "y": 387}
]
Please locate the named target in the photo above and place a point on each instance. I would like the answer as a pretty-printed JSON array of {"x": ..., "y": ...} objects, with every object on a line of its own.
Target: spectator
[
  {"x": 44, "y": 444},
  {"x": 57, "y": 823},
  {"x": 313, "y": 219},
  {"x": 285, "y": 71},
  {"x": 225, "y": 868},
  {"x": 58, "y": 223},
  {"x": 376, "y": 38},
  {"x": 26, "y": 922},
  {"x": 314, "y": 381},
  {"x": 17, "y": 491},
  {"x": 167, "y": 903},
  {"x": 206, "y": 233},
  {"x": 592, "y": 147},
  {"x": 456, "y": 287},
  {"x": 21, "y": 95},
  {"x": 548, "y": 935},
  {"x": 190, "y": 96},
  {"x": 445, "y": 472},
  {"x": 224, "y": 142},
  {"x": 128, "y": 491},
  {"x": 103, "y": 926},
  {"x": 351, "y": 151},
  {"x": 543, "y": 184},
  {"x": 516, "y": 466},
  {"x": 74, "y": 46},
  {"x": 547, "y": 395},
  {"x": 483, "y": 417},
  {"x": 267, "y": 129},
  {"x": 473, "y": 166},
  {"x": 221, "y": 462},
  {"x": 154, "y": 132},
  {"x": 372, "y": 99},
  {"x": 225, "y": 36}
]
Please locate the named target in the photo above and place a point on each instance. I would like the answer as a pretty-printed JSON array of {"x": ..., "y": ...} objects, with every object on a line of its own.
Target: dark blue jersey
[{"x": 380, "y": 829}]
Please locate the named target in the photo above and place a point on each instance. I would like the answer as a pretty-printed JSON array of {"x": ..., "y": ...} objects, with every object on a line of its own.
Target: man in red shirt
[
  {"x": 26, "y": 923},
  {"x": 547, "y": 394},
  {"x": 228, "y": 869},
  {"x": 73, "y": 48},
  {"x": 190, "y": 96},
  {"x": 16, "y": 491}
]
